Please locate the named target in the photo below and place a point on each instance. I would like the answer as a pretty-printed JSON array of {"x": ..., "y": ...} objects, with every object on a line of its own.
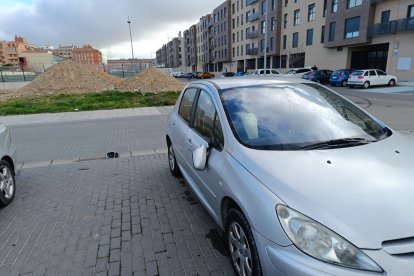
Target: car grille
[{"x": 400, "y": 247}]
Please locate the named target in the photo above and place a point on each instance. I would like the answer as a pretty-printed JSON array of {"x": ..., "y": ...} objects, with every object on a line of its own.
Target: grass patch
[{"x": 84, "y": 102}]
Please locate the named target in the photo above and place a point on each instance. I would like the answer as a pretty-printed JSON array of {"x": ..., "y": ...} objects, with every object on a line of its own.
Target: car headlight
[{"x": 322, "y": 243}]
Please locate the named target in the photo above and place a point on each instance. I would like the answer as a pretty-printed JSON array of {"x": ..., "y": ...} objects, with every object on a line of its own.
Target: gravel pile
[
  {"x": 152, "y": 80},
  {"x": 69, "y": 77}
]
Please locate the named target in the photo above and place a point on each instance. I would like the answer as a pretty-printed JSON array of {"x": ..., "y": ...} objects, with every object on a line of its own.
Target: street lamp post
[{"x": 132, "y": 47}]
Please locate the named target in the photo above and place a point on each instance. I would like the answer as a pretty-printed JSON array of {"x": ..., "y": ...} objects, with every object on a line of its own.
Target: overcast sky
[{"x": 101, "y": 23}]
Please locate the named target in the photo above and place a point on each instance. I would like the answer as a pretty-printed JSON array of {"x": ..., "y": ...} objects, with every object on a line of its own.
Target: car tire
[
  {"x": 350, "y": 86},
  {"x": 344, "y": 83},
  {"x": 212, "y": 75},
  {"x": 7, "y": 183},
  {"x": 241, "y": 245},
  {"x": 391, "y": 82},
  {"x": 172, "y": 162},
  {"x": 318, "y": 81},
  {"x": 365, "y": 85}
]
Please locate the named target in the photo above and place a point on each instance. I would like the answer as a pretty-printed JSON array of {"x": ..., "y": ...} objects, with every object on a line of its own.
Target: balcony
[
  {"x": 253, "y": 16},
  {"x": 250, "y": 2},
  {"x": 252, "y": 34},
  {"x": 252, "y": 51},
  {"x": 391, "y": 27}
]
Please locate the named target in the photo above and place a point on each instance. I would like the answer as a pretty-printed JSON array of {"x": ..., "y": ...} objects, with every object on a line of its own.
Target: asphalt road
[{"x": 89, "y": 138}]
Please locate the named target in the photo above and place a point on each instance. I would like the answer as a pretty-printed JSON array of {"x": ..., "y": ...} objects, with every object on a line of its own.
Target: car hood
[{"x": 363, "y": 193}]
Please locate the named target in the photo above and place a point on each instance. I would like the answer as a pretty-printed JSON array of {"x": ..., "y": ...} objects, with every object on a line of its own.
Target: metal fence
[{"x": 16, "y": 74}]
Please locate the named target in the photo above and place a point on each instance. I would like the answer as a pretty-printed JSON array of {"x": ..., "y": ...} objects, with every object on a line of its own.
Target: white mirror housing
[{"x": 200, "y": 158}]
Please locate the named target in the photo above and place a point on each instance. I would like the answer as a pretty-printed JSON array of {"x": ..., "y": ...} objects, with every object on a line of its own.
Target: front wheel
[
  {"x": 7, "y": 183},
  {"x": 173, "y": 162},
  {"x": 241, "y": 245},
  {"x": 391, "y": 83}
]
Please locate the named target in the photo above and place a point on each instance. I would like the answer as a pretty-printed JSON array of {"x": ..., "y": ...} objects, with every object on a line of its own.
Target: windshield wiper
[{"x": 338, "y": 143}]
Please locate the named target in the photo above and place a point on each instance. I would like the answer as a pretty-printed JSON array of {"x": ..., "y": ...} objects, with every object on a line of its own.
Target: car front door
[
  {"x": 206, "y": 129},
  {"x": 383, "y": 78},
  {"x": 373, "y": 78}
]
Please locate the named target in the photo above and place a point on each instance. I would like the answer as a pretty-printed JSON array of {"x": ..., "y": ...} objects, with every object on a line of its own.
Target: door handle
[{"x": 189, "y": 140}]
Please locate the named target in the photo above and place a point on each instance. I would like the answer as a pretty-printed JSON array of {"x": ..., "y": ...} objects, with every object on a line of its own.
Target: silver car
[
  {"x": 7, "y": 169},
  {"x": 300, "y": 180}
]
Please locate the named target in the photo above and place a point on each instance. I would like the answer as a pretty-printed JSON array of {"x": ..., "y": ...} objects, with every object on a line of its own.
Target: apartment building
[
  {"x": 190, "y": 44},
  {"x": 220, "y": 41},
  {"x": 87, "y": 55},
  {"x": 199, "y": 46},
  {"x": 10, "y": 50},
  {"x": 349, "y": 34},
  {"x": 64, "y": 51},
  {"x": 173, "y": 53}
]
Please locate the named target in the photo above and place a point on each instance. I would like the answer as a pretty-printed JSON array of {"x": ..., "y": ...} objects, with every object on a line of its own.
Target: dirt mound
[
  {"x": 69, "y": 77},
  {"x": 152, "y": 80}
]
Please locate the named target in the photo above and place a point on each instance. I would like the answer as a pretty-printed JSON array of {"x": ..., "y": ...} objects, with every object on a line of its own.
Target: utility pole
[{"x": 132, "y": 47}]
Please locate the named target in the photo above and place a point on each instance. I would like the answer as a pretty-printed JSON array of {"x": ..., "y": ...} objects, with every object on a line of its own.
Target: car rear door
[{"x": 180, "y": 127}]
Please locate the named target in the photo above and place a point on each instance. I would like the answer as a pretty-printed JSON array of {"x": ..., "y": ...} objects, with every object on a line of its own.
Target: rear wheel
[
  {"x": 173, "y": 162},
  {"x": 7, "y": 183},
  {"x": 365, "y": 85},
  {"x": 344, "y": 83},
  {"x": 241, "y": 245},
  {"x": 391, "y": 82}
]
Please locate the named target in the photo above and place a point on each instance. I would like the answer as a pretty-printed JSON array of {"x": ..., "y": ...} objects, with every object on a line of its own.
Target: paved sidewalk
[{"x": 83, "y": 115}]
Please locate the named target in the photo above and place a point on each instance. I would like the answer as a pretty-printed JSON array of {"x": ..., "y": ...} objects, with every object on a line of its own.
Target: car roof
[{"x": 251, "y": 80}]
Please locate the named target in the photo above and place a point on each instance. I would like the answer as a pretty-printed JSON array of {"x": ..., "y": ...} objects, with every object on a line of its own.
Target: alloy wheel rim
[
  {"x": 240, "y": 250},
  {"x": 6, "y": 182},
  {"x": 171, "y": 158}
]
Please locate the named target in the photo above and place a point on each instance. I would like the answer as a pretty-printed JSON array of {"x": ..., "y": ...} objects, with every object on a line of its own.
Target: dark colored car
[
  {"x": 228, "y": 74},
  {"x": 196, "y": 74},
  {"x": 188, "y": 75},
  {"x": 340, "y": 77},
  {"x": 240, "y": 74},
  {"x": 319, "y": 76}
]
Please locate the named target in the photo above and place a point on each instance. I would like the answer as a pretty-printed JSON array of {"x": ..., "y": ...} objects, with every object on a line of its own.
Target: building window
[
  {"x": 323, "y": 34},
  {"x": 262, "y": 45},
  {"x": 354, "y": 3},
  {"x": 296, "y": 18},
  {"x": 285, "y": 20},
  {"x": 334, "y": 6},
  {"x": 385, "y": 16},
  {"x": 311, "y": 12},
  {"x": 286, "y": 3},
  {"x": 297, "y": 1},
  {"x": 232, "y": 8},
  {"x": 272, "y": 26},
  {"x": 273, "y": 5},
  {"x": 284, "y": 41},
  {"x": 410, "y": 11},
  {"x": 332, "y": 31},
  {"x": 324, "y": 8},
  {"x": 295, "y": 40},
  {"x": 309, "y": 37},
  {"x": 352, "y": 27},
  {"x": 264, "y": 7},
  {"x": 271, "y": 43},
  {"x": 263, "y": 26}
]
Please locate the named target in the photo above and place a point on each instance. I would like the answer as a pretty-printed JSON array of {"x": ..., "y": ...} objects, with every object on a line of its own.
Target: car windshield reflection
[{"x": 294, "y": 116}]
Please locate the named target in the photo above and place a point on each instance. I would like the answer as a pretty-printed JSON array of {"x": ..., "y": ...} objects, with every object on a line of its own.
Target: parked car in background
[
  {"x": 340, "y": 77},
  {"x": 240, "y": 74},
  {"x": 296, "y": 73},
  {"x": 7, "y": 167},
  {"x": 318, "y": 76},
  {"x": 205, "y": 75},
  {"x": 269, "y": 72},
  {"x": 371, "y": 77},
  {"x": 228, "y": 74},
  {"x": 188, "y": 75},
  {"x": 196, "y": 74},
  {"x": 239, "y": 146}
]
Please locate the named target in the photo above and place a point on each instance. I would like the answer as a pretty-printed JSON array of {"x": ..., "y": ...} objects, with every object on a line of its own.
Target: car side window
[
  {"x": 366, "y": 74},
  {"x": 381, "y": 73},
  {"x": 186, "y": 104},
  {"x": 372, "y": 73},
  {"x": 206, "y": 121}
]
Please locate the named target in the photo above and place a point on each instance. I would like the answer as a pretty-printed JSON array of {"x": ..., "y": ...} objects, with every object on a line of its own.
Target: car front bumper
[{"x": 288, "y": 260}]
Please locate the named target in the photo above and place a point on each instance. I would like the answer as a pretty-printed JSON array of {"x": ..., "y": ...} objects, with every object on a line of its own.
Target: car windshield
[
  {"x": 293, "y": 116},
  {"x": 337, "y": 72},
  {"x": 358, "y": 73},
  {"x": 291, "y": 72}
]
